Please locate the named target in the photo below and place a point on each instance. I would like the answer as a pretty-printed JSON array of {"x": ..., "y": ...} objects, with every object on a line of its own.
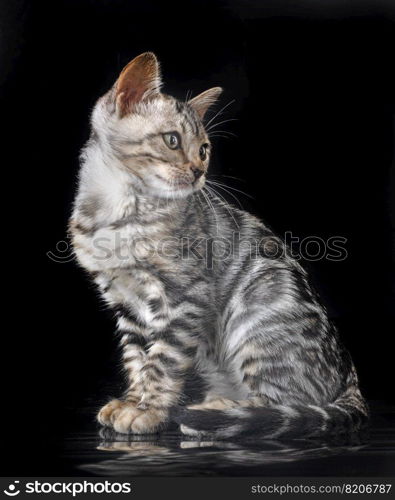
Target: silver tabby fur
[{"x": 239, "y": 346}]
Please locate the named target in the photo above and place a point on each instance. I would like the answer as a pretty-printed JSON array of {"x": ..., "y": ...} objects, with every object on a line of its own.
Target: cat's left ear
[
  {"x": 203, "y": 101},
  {"x": 139, "y": 80}
]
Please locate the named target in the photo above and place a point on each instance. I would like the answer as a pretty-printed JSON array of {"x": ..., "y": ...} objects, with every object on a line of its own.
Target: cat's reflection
[{"x": 172, "y": 455}]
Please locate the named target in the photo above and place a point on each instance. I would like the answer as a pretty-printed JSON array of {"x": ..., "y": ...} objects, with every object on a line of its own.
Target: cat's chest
[{"x": 126, "y": 243}]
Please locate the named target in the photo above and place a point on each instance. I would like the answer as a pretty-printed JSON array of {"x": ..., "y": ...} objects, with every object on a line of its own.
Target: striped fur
[{"x": 224, "y": 346}]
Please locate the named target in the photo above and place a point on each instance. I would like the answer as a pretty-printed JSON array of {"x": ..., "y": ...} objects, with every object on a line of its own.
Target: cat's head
[{"x": 160, "y": 141}]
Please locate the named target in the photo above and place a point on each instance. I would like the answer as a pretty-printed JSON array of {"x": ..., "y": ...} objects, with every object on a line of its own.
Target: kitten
[{"x": 224, "y": 346}]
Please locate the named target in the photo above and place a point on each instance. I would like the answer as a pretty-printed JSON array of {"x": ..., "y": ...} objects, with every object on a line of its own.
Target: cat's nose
[{"x": 197, "y": 172}]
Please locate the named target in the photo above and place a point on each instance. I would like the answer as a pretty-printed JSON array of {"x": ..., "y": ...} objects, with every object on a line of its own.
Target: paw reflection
[
  {"x": 138, "y": 447},
  {"x": 172, "y": 454}
]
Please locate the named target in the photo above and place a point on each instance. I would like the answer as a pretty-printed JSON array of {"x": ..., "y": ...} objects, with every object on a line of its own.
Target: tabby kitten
[{"x": 224, "y": 346}]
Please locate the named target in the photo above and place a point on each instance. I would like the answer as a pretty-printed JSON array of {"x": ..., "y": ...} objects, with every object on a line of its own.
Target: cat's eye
[
  {"x": 172, "y": 140},
  {"x": 203, "y": 151}
]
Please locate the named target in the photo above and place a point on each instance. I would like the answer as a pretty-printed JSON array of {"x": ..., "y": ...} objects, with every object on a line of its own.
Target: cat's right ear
[
  {"x": 139, "y": 80},
  {"x": 203, "y": 101}
]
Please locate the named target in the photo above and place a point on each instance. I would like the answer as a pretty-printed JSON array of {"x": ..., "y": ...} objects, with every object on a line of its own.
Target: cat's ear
[
  {"x": 139, "y": 80},
  {"x": 203, "y": 101}
]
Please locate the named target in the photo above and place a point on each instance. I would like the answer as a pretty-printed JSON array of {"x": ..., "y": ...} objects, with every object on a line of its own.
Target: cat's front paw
[
  {"x": 110, "y": 411},
  {"x": 149, "y": 421},
  {"x": 124, "y": 417}
]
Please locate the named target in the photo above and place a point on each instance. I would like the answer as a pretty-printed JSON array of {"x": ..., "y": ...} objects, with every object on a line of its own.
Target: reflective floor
[{"x": 100, "y": 453}]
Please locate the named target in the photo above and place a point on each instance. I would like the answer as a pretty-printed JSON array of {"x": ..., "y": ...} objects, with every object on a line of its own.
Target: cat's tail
[{"x": 347, "y": 415}]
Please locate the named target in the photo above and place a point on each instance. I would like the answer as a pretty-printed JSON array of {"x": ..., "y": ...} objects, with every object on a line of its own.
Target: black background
[{"x": 314, "y": 90}]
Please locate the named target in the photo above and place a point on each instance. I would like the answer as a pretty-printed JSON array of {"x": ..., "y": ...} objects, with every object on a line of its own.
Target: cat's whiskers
[
  {"x": 215, "y": 193},
  {"x": 225, "y": 187},
  {"x": 219, "y": 135},
  {"x": 211, "y": 134},
  {"x": 188, "y": 96},
  {"x": 220, "y": 112},
  {"x": 211, "y": 207},
  {"x": 212, "y": 184},
  {"x": 214, "y": 125},
  {"x": 228, "y": 176}
]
